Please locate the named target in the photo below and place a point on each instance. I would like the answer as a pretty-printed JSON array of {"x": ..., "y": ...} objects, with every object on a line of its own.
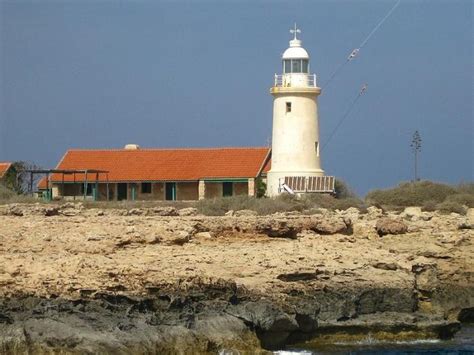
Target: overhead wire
[
  {"x": 355, "y": 52},
  {"x": 346, "y": 113}
]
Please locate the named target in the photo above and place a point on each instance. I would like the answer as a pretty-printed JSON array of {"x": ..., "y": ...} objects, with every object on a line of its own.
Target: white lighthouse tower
[{"x": 295, "y": 137}]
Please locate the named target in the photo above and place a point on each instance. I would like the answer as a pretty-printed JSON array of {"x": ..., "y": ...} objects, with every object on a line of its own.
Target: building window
[
  {"x": 146, "y": 187},
  {"x": 90, "y": 189},
  {"x": 170, "y": 191},
  {"x": 287, "y": 66},
  {"x": 316, "y": 147},
  {"x": 227, "y": 189},
  {"x": 288, "y": 107}
]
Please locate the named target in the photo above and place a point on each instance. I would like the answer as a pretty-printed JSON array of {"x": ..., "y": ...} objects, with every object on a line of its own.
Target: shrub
[
  {"x": 342, "y": 190},
  {"x": 465, "y": 188},
  {"x": 219, "y": 206},
  {"x": 260, "y": 187},
  {"x": 5, "y": 193},
  {"x": 263, "y": 206},
  {"x": 462, "y": 199},
  {"x": 450, "y": 206},
  {"x": 330, "y": 202},
  {"x": 9, "y": 196},
  {"x": 127, "y": 204},
  {"x": 429, "y": 206},
  {"x": 411, "y": 194}
]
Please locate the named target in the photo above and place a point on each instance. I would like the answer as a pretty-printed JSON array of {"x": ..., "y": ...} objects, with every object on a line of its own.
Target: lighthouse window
[
  {"x": 296, "y": 66},
  {"x": 305, "y": 66},
  {"x": 316, "y": 146},
  {"x": 288, "y": 107}
]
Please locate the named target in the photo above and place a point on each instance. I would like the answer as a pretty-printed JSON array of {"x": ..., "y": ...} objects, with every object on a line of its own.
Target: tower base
[{"x": 305, "y": 181}]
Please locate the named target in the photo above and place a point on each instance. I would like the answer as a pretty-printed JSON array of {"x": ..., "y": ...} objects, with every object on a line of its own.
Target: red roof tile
[
  {"x": 4, "y": 166},
  {"x": 42, "y": 183},
  {"x": 165, "y": 164}
]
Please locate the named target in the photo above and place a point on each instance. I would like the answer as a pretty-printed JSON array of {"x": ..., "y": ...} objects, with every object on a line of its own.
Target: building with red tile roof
[
  {"x": 159, "y": 174},
  {"x": 4, "y": 167}
]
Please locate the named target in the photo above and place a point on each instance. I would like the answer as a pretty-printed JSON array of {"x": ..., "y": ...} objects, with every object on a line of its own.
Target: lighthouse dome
[{"x": 295, "y": 51}]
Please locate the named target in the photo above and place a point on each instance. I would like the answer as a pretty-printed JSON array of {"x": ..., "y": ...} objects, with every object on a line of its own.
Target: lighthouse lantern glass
[{"x": 295, "y": 66}]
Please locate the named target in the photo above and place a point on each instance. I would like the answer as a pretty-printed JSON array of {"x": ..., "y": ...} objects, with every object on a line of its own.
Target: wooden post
[
  {"x": 48, "y": 194},
  {"x": 201, "y": 189},
  {"x": 96, "y": 195},
  {"x": 251, "y": 187},
  {"x": 107, "y": 178},
  {"x": 74, "y": 183},
  {"x": 31, "y": 183},
  {"x": 85, "y": 185},
  {"x": 62, "y": 187}
]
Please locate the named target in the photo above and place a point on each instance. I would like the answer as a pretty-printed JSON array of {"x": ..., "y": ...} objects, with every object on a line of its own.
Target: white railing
[
  {"x": 303, "y": 184},
  {"x": 295, "y": 80}
]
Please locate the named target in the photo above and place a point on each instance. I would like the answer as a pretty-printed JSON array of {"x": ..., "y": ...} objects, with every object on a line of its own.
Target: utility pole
[{"x": 416, "y": 148}]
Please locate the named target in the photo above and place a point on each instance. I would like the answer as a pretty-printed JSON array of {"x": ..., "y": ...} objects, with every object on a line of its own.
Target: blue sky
[{"x": 100, "y": 74}]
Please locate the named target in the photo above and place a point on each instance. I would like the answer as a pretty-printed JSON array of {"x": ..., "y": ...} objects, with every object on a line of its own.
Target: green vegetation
[
  {"x": 261, "y": 187},
  {"x": 219, "y": 206},
  {"x": 128, "y": 205},
  {"x": 429, "y": 195},
  {"x": 343, "y": 199},
  {"x": 10, "y": 196}
]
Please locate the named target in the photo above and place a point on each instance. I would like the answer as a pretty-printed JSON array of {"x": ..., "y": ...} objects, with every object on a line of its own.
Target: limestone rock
[
  {"x": 385, "y": 266},
  {"x": 465, "y": 225},
  {"x": 189, "y": 211},
  {"x": 245, "y": 213},
  {"x": 229, "y": 213},
  {"x": 135, "y": 212},
  {"x": 203, "y": 235},
  {"x": 277, "y": 228},
  {"x": 352, "y": 212},
  {"x": 51, "y": 211},
  {"x": 411, "y": 212},
  {"x": 69, "y": 212},
  {"x": 164, "y": 211},
  {"x": 152, "y": 239},
  {"x": 15, "y": 210},
  {"x": 470, "y": 215},
  {"x": 390, "y": 226},
  {"x": 374, "y": 212},
  {"x": 181, "y": 238},
  {"x": 332, "y": 225}
]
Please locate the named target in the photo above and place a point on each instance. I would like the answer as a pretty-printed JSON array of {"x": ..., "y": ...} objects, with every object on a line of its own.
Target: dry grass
[
  {"x": 282, "y": 203},
  {"x": 128, "y": 205},
  {"x": 10, "y": 196},
  {"x": 429, "y": 195}
]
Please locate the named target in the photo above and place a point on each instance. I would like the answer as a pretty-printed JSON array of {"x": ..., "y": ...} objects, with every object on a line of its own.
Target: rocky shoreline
[{"x": 161, "y": 280}]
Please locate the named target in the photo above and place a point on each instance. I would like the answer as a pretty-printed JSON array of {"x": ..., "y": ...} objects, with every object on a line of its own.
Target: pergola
[{"x": 72, "y": 172}]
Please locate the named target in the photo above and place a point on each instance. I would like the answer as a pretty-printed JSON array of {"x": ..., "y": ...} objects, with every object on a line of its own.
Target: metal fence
[{"x": 299, "y": 184}]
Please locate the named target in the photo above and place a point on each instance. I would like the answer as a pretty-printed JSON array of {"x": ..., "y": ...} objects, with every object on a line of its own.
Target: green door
[
  {"x": 133, "y": 191},
  {"x": 227, "y": 189},
  {"x": 121, "y": 191},
  {"x": 170, "y": 188}
]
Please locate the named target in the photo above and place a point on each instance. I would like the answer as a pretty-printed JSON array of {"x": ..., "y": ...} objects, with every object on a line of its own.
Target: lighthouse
[{"x": 296, "y": 160}]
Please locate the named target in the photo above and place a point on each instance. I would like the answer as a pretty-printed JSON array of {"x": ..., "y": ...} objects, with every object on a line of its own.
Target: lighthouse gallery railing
[{"x": 289, "y": 80}]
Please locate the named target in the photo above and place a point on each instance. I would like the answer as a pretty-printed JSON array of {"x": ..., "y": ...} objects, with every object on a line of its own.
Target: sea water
[{"x": 461, "y": 344}]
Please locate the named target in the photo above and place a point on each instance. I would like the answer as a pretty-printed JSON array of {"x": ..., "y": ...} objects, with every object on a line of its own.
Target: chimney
[{"x": 131, "y": 147}]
